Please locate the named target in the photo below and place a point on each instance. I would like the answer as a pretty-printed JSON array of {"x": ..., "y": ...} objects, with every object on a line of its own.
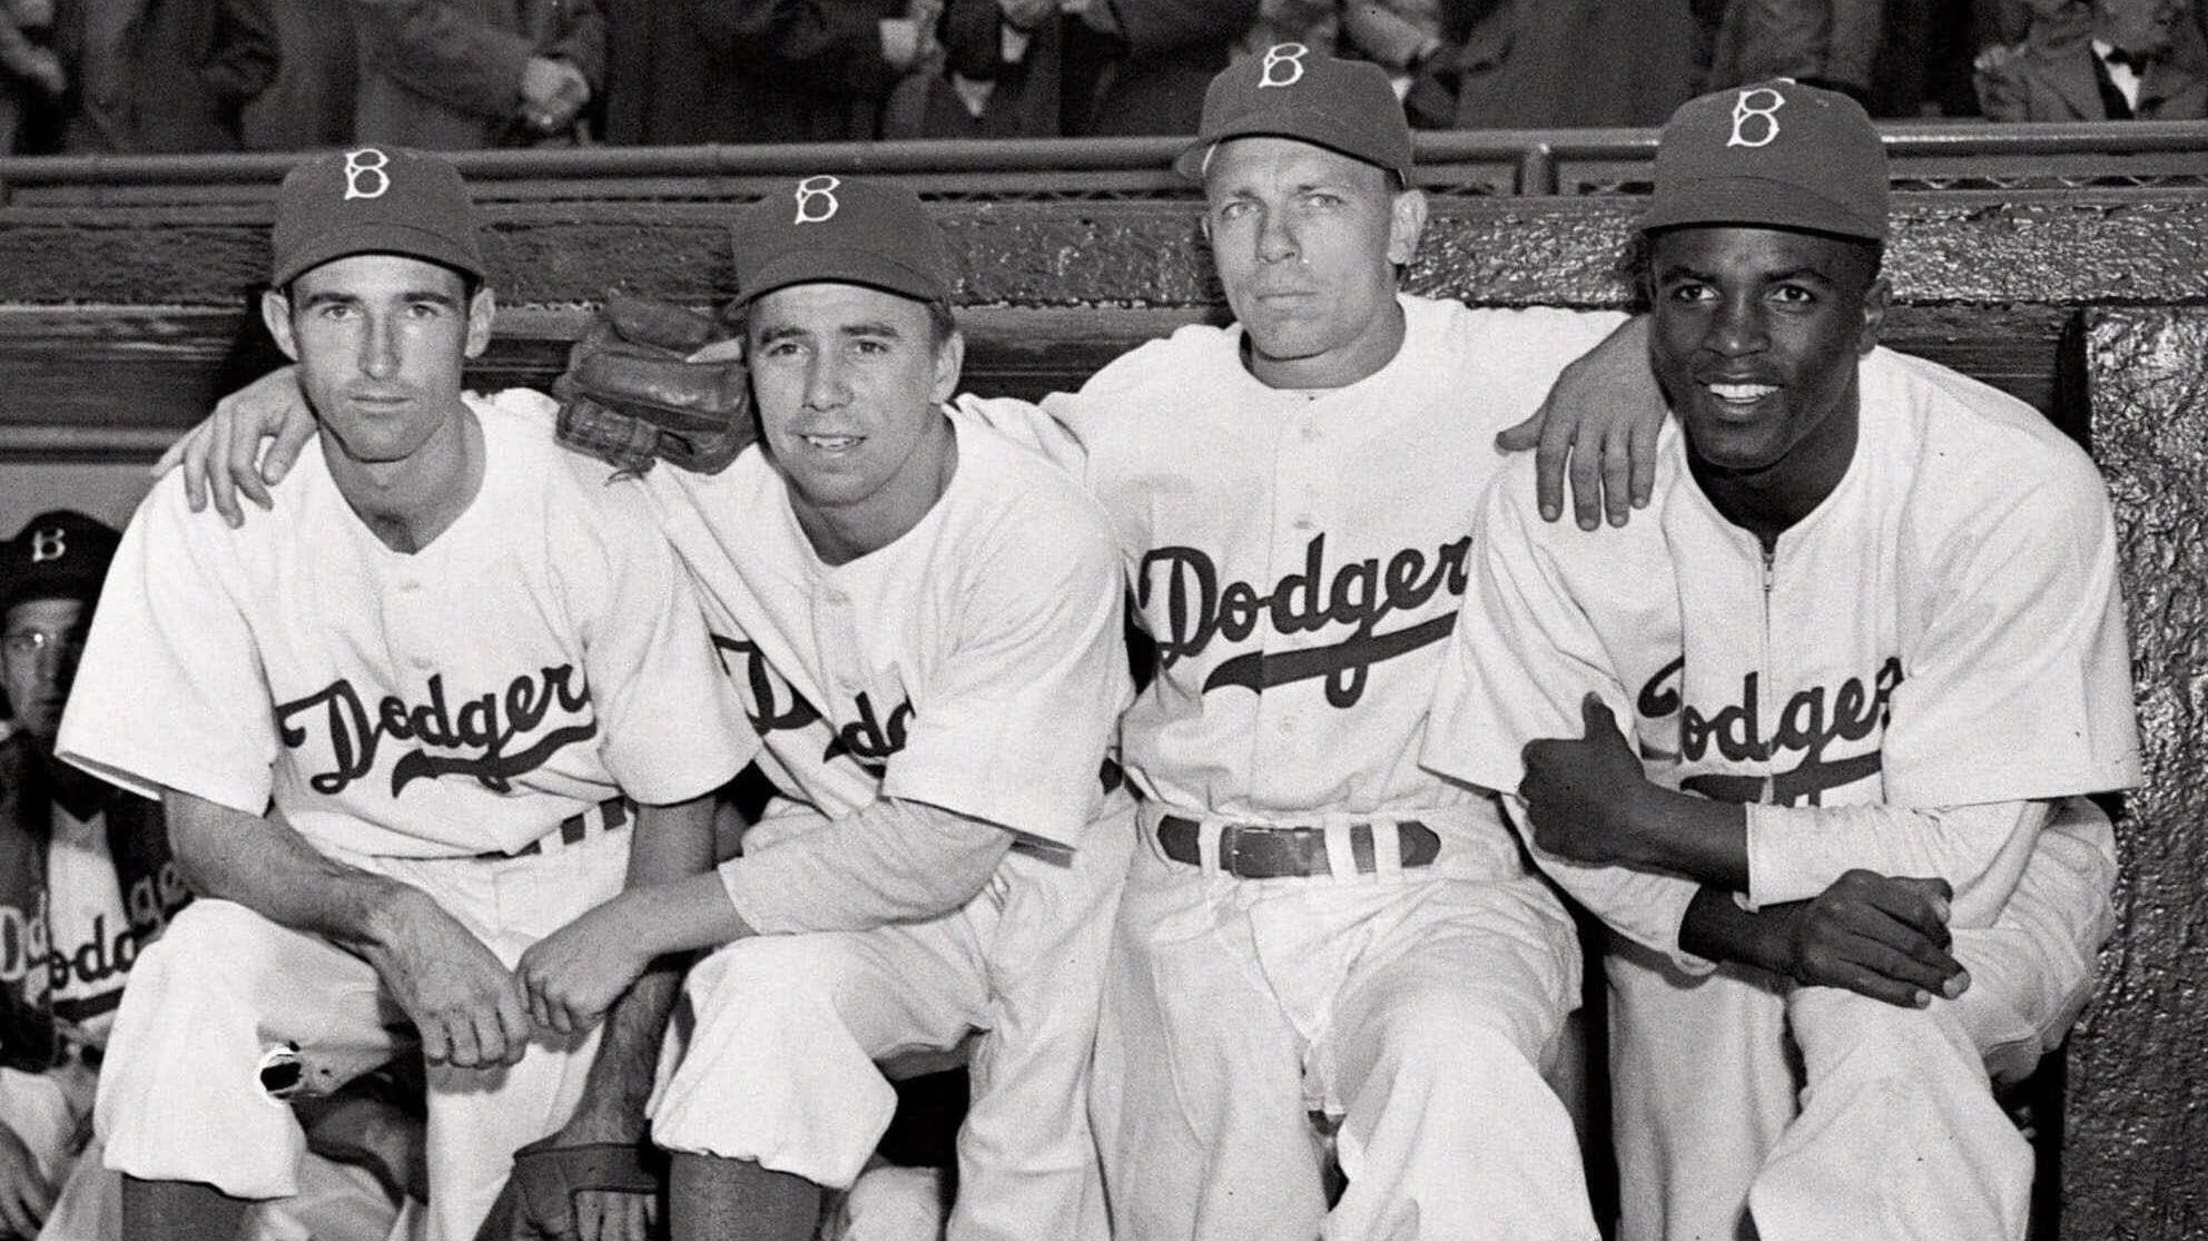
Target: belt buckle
[{"x": 1262, "y": 851}]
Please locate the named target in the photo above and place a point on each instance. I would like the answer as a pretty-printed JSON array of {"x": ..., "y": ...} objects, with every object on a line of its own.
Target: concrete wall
[{"x": 124, "y": 322}]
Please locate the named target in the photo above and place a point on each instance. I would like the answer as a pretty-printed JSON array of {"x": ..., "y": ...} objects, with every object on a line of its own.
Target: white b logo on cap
[
  {"x": 48, "y": 544},
  {"x": 812, "y": 193},
  {"x": 362, "y": 164},
  {"x": 1279, "y": 54},
  {"x": 1744, "y": 112}
]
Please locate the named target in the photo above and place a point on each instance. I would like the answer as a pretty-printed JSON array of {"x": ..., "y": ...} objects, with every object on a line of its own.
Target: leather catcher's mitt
[
  {"x": 630, "y": 397},
  {"x": 538, "y": 1203}
]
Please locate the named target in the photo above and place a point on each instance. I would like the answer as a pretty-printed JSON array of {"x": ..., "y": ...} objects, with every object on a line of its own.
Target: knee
[
  {"x": 788, "y": 974},
  {"x": 207, "y": 943},
  {"x": 1841, "y": 1032},
  {"x": 1453, "y": 1037}
]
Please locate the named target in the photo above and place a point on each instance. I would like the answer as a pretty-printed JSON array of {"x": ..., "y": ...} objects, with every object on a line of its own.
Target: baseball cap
[
  {"x": 59, "y": 554},
  {"x": 373, "y": 200},
  {"x": 841, "y": 230},
  {"x": 1776, "y": 153},
  {"x": 1291, "y": 91}
]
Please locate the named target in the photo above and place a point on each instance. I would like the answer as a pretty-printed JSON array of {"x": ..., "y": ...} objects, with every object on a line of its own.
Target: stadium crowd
[{"x": 172, "y": 76}]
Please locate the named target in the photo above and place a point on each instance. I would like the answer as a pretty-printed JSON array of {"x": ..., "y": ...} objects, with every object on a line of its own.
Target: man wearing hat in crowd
[
  {"x": 392, "y": 728},
  {"x": 926, "y": 619},
  {"x": 1869, "y": 654}
]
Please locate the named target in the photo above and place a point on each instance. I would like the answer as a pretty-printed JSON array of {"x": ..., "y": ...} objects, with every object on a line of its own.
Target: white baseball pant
[
  {"x": 779, "y": 1066},
  {"x": 1420, "y": 1006},
  {"x": 180, "y": 1097},
  {"x": 1827, "y": 1116}
]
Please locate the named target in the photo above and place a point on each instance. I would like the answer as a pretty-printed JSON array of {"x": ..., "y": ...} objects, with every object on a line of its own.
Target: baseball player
[
  {"x": 1292, "y": 499},
  {"x": 392, "y": 728},
  {"x": 924, "y": 620},
  {"x": 1314, "y": 924},
  {"x": 1872, "y": 633}
]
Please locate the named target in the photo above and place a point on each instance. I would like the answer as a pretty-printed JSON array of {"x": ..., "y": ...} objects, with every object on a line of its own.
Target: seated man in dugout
[
  {"x": 395, "y": 728},
  {"x": 1869, "y": 653},
  {"x": 86, "y": 884},
  {"x": 924, "y": 623}
]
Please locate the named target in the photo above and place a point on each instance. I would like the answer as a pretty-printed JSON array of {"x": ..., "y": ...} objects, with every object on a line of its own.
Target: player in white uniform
[
  {"x": 926, "y": 622},
  {"x": 1874, "y": 633},
  {"x": 1335, "y": 471},
  {"x": 392, "y": 727},
  {"x": 1313, "y": 922}
]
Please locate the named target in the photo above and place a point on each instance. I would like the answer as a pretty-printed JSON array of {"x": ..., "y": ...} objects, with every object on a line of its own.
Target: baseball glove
[
  {"x": 538, "y": 1202},
  {"x": 631, "y": 396}
]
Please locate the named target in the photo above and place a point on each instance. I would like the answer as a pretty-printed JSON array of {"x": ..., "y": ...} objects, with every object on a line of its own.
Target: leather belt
[
  {"x": 610, "y": 815},
  {"x": 1261, "y": 851}
]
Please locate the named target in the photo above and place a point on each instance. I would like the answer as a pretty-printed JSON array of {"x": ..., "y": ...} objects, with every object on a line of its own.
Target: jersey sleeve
[
  {"x": 170, "y": 692},
  {"x": 1014, "y": 729},
  {"x": 1521, "y": 659},
  {"x": 1037, "y": 428},
  {"x": 2017, "y": 678},
  {"x": 673, "y": 729}
]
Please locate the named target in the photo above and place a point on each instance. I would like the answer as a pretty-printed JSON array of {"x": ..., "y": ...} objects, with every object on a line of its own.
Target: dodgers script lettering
[
  {"x": 487, "y": 725},
  {"x": 1809, "y": 722},
  {"x": 1187, "y": 606}
]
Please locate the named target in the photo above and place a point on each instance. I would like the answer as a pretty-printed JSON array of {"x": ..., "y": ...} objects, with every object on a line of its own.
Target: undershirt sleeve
[
  {"x": 1796, "y": 852},
  {"x": 893, "y": 861}
]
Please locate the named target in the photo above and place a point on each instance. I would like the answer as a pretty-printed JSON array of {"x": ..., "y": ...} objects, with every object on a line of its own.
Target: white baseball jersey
[
  {"x": 975, "y": 664},
  {"x": 1944, "y": 630},
  {"x": 541, "y": 655},
  {"x": 1299, "y": 556}
]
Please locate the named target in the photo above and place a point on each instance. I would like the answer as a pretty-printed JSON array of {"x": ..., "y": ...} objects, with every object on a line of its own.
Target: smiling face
[
  {"x": 1306, "y": 242},
  {"x": 38, "y": 660},
  {"x": 1755, "y": 338},
  {"x": 381, "y": 340},
  {"x": 850, "y": 383}
]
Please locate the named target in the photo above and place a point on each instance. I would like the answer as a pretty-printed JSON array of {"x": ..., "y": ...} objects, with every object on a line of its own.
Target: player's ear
[
  {"x": 276, "y": 316},
  {"x": 1876, "y": 300},
  {"x": 1406, "y": 224},
  {"x": 950, "y": 360},
  {"x": 482, "y": 308}
]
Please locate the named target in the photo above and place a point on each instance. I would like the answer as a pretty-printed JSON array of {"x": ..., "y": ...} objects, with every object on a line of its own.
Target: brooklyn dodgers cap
[
  {"x": 373, "y": 200},
  {"x": 60, "y": 554},
  {"x": 1777, "y": 154},
  {"x": 841, "y": 230},
  {"x": 1291, "y": 91}
]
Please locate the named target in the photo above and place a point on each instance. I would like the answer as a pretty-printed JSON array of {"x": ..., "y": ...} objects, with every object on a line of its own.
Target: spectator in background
[
  {"x": 31, "y": 76},
  {"x": 685, "y": 71},
  {"x": 310, "y": 104},
  {"x": 151, "y": 77},
  {"x": 130, "y": 77},
  {"x": 994, "y": 73},
  {"x": 1828, "y": 43},
  {"x": 462, "y": 74},
  {"x": 2095, "y": 60},
  {"x": 1079, "y": 68},
  {"x": 1141, "y": 66},
  {"x": 1514, "y": 64}
]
